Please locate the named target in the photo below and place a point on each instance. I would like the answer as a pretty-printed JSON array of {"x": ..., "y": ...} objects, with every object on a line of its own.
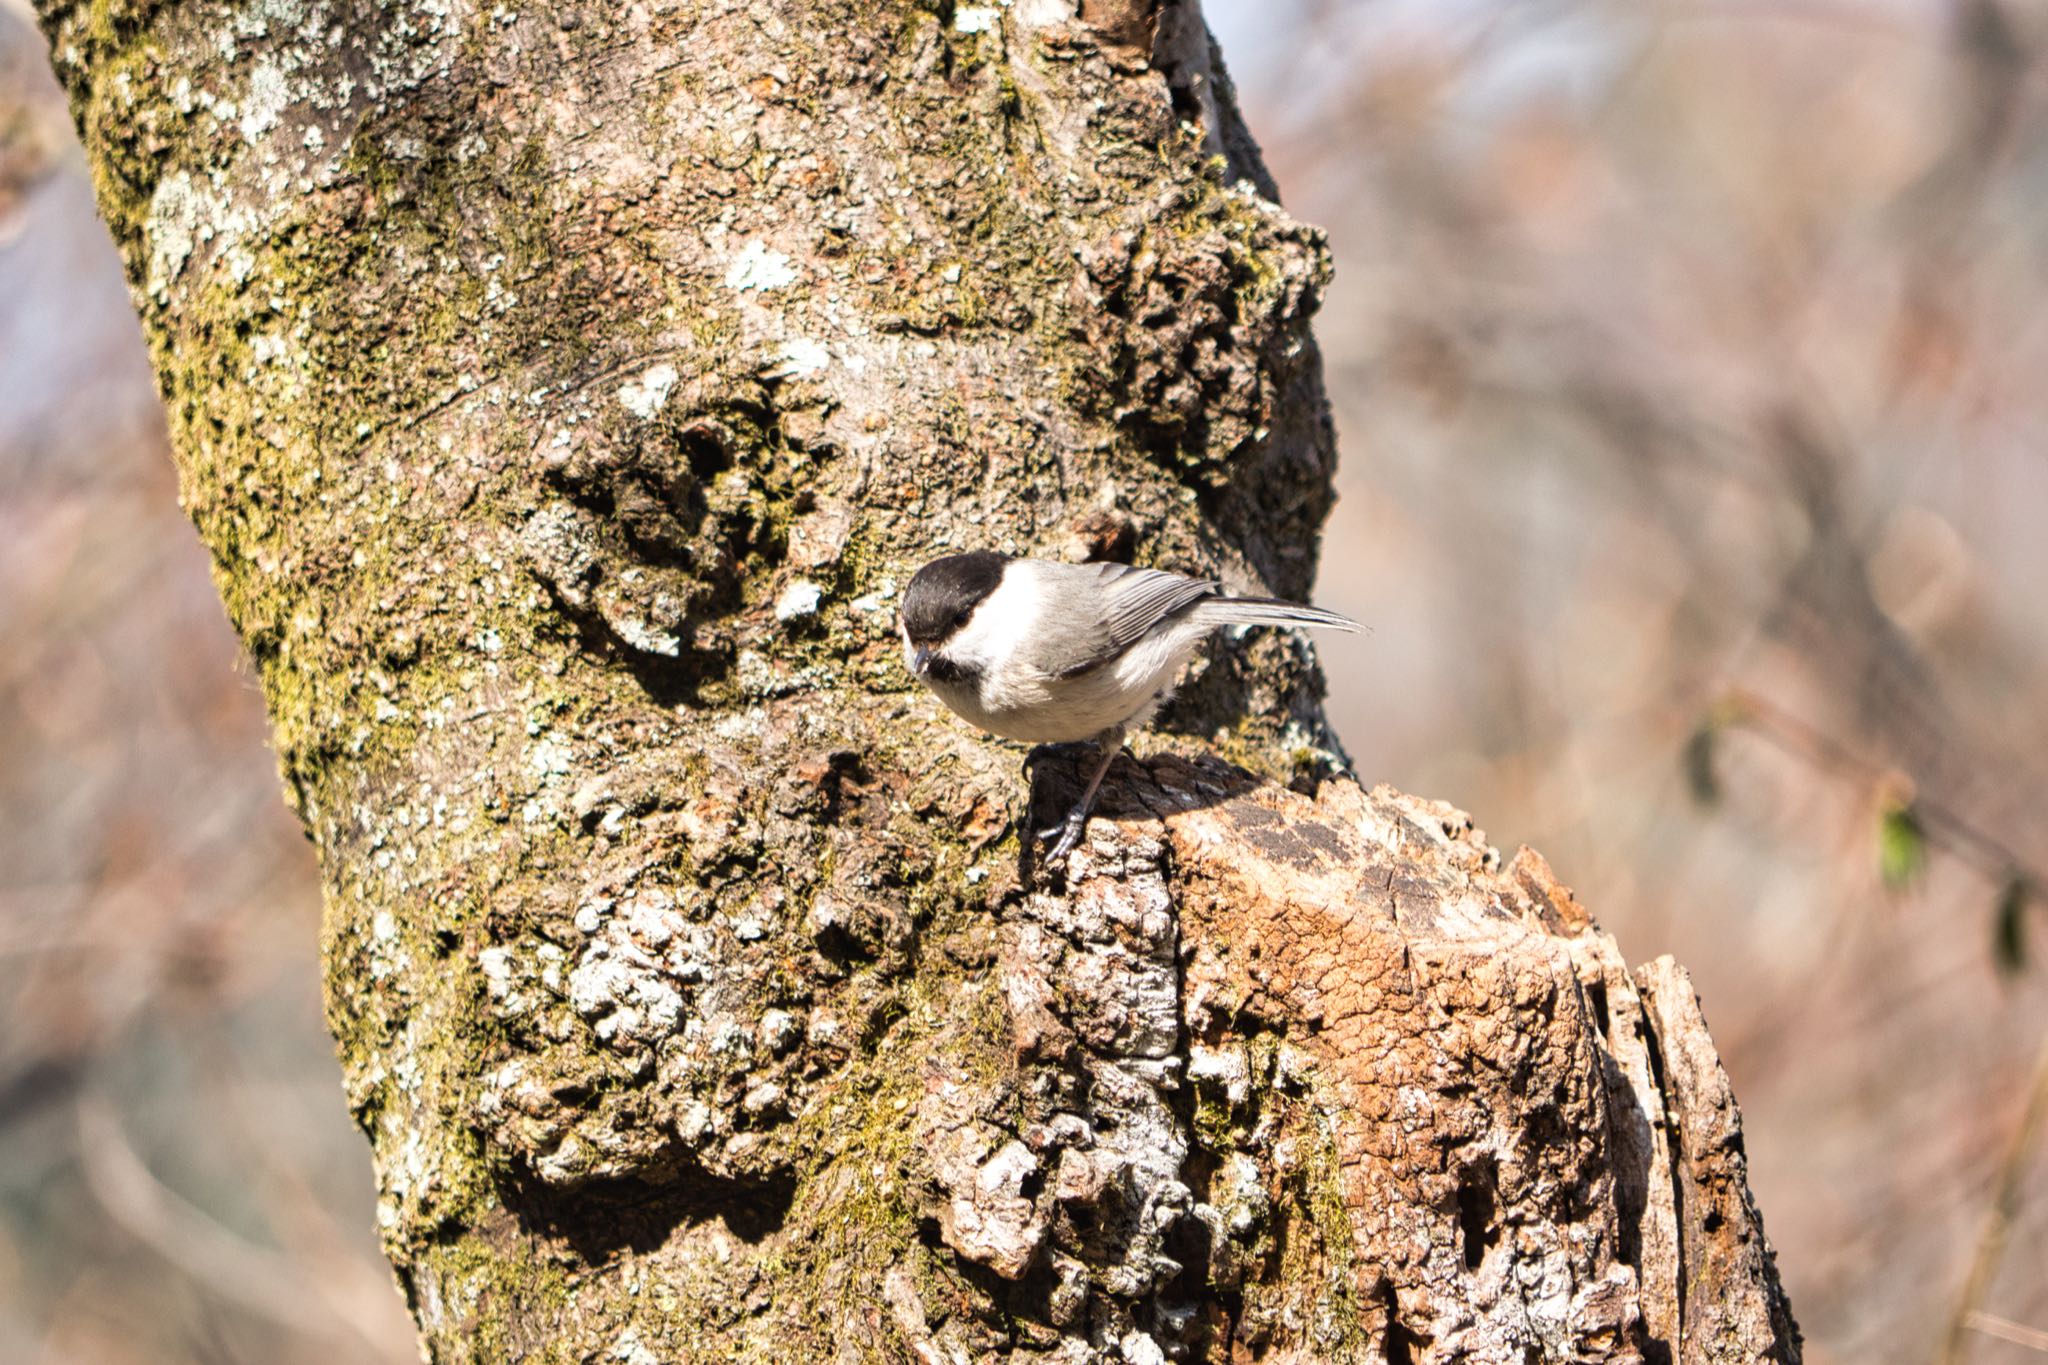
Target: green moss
[
  {"x": 1214, "y": 1125},
  {"x": 1315, "y": 1197},
  {"x": 474, "y": 1281},
  {"x": 854, "y": 1216}
]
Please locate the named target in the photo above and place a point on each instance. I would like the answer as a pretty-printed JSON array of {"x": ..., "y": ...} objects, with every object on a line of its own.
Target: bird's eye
[{"x": 960, "y": 617}]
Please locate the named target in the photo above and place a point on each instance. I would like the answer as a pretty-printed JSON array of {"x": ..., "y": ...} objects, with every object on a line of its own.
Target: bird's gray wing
[{"x": 1107, "y": 608}]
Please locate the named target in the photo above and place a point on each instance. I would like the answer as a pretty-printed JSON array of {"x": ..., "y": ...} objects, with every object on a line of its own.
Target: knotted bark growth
[{"x": 564, "y": 393}]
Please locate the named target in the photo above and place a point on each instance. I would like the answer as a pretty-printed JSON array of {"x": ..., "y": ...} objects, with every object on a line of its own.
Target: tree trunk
[{"x": 565, "y": 393}]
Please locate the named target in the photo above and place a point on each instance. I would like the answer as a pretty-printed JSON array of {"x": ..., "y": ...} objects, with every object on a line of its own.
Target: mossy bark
[{"x": 565, "y": 393}]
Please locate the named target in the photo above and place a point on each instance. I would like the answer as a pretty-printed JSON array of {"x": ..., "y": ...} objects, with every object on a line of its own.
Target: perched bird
[{"x": 1054, "y": 653}]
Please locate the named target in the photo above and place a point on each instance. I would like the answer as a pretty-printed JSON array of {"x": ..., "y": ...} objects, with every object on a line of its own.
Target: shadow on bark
[
  {"x": 601, "y": 1219},
  {"x": 1056, "y": 780}
]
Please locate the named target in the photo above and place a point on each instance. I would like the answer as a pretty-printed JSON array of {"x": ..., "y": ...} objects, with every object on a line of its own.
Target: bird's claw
[
  {"x": 1107, "y": 746},
  {"x": 1069, "y": 835}
]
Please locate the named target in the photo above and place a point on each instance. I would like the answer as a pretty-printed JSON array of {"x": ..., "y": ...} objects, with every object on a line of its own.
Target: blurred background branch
[
  {"x": 1998, "y": 1226},
  {"x": 303, "y": 1293}
]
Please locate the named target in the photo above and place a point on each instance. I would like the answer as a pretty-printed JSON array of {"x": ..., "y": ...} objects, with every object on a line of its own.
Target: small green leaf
[
  {"x": 1700, "y": 759},
  {"x": 1701, "y": 777},
  {"x": 1901, "y": 845},
  {"x": 2009, "y": 927}
]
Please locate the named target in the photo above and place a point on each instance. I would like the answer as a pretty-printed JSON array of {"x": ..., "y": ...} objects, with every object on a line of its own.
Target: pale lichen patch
[
  {"x": 176, "y": 212},
  {"x": 799, "y": 601},
  {"x": 648, "y": 394},
  {"x": 264, "y": 101},
  {"x": 800, "y": 356},
  {"x": 760, "y": 268}
]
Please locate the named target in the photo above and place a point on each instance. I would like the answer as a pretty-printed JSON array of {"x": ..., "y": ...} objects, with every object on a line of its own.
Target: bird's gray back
[{"x": 1094, "y": 612}]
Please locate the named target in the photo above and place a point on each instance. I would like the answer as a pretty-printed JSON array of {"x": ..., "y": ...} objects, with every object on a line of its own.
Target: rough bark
[{"x": 564, "y": 393}]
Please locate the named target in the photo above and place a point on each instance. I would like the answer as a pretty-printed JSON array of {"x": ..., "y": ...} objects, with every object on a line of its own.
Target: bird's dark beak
[{"x": 920, "y": 659}]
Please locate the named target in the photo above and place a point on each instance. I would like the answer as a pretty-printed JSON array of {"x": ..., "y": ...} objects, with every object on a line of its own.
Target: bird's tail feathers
[{"x": 1268, "y": 611}]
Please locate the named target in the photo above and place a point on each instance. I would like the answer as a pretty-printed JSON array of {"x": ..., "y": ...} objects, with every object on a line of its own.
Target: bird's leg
[
  {"x": 1111, "y": 743},
  {"x": 1041, "y": 752}
]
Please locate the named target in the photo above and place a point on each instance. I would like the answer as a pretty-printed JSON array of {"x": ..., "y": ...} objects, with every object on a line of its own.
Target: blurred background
[{"x": 1691, "y": 367}]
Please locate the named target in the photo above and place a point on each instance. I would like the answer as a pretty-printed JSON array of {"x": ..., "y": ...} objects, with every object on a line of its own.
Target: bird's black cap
[{"x": 945, "y": 592}]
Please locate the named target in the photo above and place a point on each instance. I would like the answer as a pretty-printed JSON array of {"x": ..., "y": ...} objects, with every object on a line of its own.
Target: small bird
[{"x": 1054, "y": 653}]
